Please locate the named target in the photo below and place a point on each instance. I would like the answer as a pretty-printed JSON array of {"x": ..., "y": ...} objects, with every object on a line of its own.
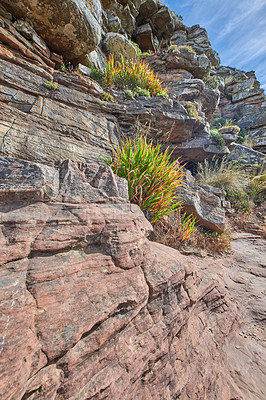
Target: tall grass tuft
[
  {"x": 152, "y": 177},
  {"x": 133, "y": 75},
  {"x": 222, "y": 174}
]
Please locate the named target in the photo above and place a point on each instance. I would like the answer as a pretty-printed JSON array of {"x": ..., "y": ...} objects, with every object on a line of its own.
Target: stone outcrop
[
  {"x": 71, "y": 28},
  {"x": 244, "y": 101},
  {"x": 90, "y": 307},
  {"x": 206, "y": 203}
]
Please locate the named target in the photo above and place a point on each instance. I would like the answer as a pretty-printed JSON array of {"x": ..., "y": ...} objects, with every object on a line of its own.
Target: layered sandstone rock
[
  {"x": 71, "y": 28},
  {"x": 90, "y": 307},
  {"x": 244, "y": 101}
]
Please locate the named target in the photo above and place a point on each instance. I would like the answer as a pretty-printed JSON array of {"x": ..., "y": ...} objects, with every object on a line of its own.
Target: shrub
[
  {"x": 239, "y": 200},
  {"x": 217, "y": 138},
  {"x": 172, "y": 48},
  {"x": 97, "y": 75},
  {"x": 132, "y": 75},
  {"x": 174, "y": 229},
  {"x": 220, "y": 122},
  {"x": 192, "y": 110},
  {"x": 152, "y": 178},
  {"x": 107, "y": 97},
  {"x": 242, "y": 136},
  {"x": 222, "y": 174},
  {"x": 186, "y": 47},
  {"x": 142, "y": 92},
  {"x": 257, "y": 188},
  {"x": 129, "y": 93},
  {"x": 211, "y": 82},
  {"x": 50, "y": 85}
]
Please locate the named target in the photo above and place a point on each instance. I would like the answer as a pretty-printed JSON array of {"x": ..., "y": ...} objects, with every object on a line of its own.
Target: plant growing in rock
[
  {"x": 192, "y": 110},
  {"x": 152, "y": 177},
  {"x": 218, "y": 139},
  {"x": 186, "y": 47},
  {"x": 133, "y": 75},
  {"x": 50, "y": 85},
  {"x": 223, "y": 174},
  {"x": 107, "y": 97},
  {"x": 172, "y": 48},
  {"x": 211, "y": 82}
]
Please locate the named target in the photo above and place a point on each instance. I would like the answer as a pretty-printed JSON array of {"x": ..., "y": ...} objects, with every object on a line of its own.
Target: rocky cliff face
[{"x": 91, "y": 308}]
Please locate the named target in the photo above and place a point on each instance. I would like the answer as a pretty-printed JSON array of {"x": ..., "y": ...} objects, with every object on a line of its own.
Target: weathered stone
[
  {"x": 95, "y": 58},
  {"x": 71, "y": 29},
  {"x": 204, "y": 202},
  {"x": 112, "y": 312},
  {"x": 118, "y": 45},
  {"x": 182, "y": 58},
  {"x": 21, "y": 180},
  {"x": 163, "y": 23},
  {"x": 144, "y": 37},
  {"x": 246, "y": 154},
  {"x": 147, "y": 9}
]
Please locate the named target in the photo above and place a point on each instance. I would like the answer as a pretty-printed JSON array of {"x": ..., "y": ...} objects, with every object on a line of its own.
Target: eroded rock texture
[{"x": 91, "y": 308}]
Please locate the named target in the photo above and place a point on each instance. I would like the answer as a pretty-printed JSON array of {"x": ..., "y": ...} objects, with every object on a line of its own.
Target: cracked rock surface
[{"x": 90, "y": 307}]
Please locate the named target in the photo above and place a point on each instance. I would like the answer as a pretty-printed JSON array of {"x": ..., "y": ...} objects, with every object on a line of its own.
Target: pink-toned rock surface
[{"x": 90, "y": 308}]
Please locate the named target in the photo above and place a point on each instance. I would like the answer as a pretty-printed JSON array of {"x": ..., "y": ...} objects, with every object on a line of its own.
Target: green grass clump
[
  {"x": 133, "y": 75},
  {"x": 107, "y": 97},
  {"x": 211, "y": 82},
  {"x": 257, "y": 188},
  {"x": 186, "y": 47},
  {"x": 97, "y": 75},
  {"x": 192, "y": 110},
  {"x": 172, "y": 48},
  {"x": 50, "y": 85},
  {"x": 218, "y": 139},
  {"x": 152, "y": 177},
  {"x": 222, "y": 174}
]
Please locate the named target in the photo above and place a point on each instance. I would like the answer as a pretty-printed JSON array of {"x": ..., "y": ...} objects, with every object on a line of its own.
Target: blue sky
[{"x": 236, "y": 28}]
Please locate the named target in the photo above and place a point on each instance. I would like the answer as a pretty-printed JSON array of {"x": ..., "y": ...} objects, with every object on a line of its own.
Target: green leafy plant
[
  {"x": 107, "y": 97},
  {"x": 218, "y": 139},
  {"x": 97, "y": 75},
  {"x": 50, "y": 85},
  {"x": 188, "y": 226},
  {"x": 239, "y": 200},
  {"x": 242, "y": 136},
  {"x": 172, "y": 48},
  {"x": 63, "y": 67},
  {"x": 186, "y": 47},
  {"x": 192, "y": 110},
  {"x": 129, "y": 93},
  {"x": 211, "y": 82},
  {"x": 142, "y": 91},
  {"x": 152, "y": 177},
  {"x": 133, "y": 75}
]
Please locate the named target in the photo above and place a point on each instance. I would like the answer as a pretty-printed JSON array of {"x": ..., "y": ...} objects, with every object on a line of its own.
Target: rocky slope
[{"x": 91, "y": 309}]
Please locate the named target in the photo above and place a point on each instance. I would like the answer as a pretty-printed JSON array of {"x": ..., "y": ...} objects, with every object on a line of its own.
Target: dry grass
[{"x": 169, "y": 231}]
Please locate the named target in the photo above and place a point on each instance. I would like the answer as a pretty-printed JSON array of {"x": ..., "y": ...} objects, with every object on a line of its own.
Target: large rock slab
[
  {"x": 204, "y": 202},
  {"x": 71, "y": 28},
  {"x": 90, "y": 307},
  {"x": 118, "y": 45}
]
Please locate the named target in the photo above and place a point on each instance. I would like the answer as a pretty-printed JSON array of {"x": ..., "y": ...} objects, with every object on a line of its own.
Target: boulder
[
  {"x": 96, "y": 58},
  {"x": 204, "y": 202},
  {"x": 145, "y": 38},
  {"x": 118, "y": 45},
  {"x": 163, "y": 23},
  {"x": 71, "y": 28},
  {"x": 146, "y": 10},
  {"x": 182, "y": 58}
]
